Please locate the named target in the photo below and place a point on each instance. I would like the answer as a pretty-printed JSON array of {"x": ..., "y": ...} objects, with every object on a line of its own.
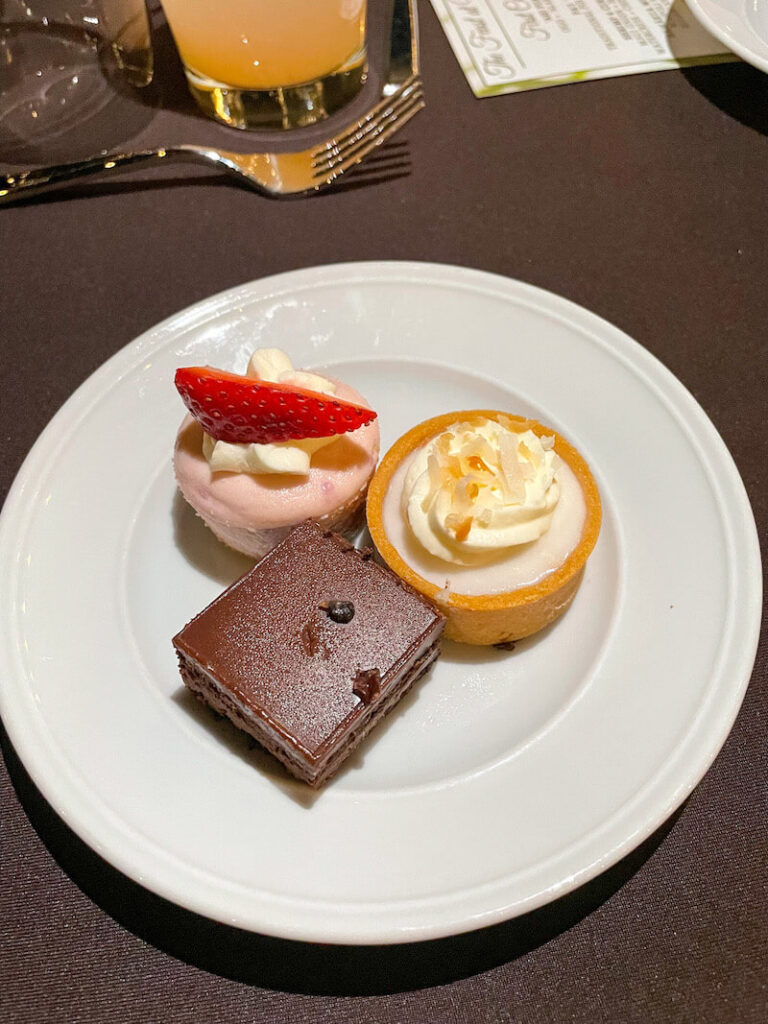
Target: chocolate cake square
[{"x": 309, "y": 649}]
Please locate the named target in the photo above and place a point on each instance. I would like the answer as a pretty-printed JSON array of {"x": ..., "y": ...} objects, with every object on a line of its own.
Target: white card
[{"x": 511, "y": 45}]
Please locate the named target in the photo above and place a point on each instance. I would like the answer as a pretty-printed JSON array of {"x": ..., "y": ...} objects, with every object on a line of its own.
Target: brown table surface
[{"x": 642, "y": 198}]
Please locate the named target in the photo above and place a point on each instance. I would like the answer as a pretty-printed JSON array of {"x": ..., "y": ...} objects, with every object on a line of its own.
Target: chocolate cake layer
[{"x": 310, "y": 649}]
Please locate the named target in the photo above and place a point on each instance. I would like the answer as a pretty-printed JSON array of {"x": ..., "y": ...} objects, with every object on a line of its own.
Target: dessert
[
  {"x": 258, "y": 454},
  {"x": 490, "y": 516},
  {"x": 309, "y": 649}
]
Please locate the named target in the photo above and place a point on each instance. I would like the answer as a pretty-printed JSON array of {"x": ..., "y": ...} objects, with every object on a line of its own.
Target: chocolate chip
[
  {"x": 339, "y": 611},
  {"x": 505, "y": 645},
  {"x": 367, "y": 684}
]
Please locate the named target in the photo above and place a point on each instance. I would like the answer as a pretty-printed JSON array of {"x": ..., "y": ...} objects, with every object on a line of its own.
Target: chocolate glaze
[{"x": 268, "y": 655}]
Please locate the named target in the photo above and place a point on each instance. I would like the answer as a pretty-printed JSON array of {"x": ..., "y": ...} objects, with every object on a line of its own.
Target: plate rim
[
  {"x": 76, "y": 407},
  {"x": 701, "y": 10}
]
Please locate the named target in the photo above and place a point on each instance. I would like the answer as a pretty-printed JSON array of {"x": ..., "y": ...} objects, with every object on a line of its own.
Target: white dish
[
  {"x": 505, "y": 780},
  {"x": 742, "y": 25}
]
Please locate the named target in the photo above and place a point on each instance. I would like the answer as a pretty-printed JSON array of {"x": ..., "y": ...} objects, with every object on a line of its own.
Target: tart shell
[{"x": 502, "y": 617}]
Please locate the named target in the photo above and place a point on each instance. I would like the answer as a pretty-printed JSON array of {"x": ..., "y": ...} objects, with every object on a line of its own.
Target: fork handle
[{"x": 29, "y": 183}]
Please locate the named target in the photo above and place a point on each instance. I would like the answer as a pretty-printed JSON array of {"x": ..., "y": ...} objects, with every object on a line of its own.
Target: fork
[{"x": 275, "y": 174}]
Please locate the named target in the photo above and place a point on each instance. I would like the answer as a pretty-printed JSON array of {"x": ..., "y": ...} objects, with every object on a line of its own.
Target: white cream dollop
[
  {"x": 480, "y": 488},
  {"x": 271, "y": 364}
]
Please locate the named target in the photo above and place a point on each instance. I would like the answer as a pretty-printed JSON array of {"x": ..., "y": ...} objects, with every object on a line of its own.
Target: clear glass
[
  {"x": 270, "y": 63},
  {"x": 65, "y": 68}
]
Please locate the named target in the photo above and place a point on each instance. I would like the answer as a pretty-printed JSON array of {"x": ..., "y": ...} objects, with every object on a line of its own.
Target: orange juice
[{"x": 264, "y": 44}]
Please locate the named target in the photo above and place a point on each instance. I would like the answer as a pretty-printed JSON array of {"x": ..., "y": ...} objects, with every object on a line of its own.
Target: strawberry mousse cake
[
  {"x": 258, "y": 454},
  {"x": 490, "y": 516}
]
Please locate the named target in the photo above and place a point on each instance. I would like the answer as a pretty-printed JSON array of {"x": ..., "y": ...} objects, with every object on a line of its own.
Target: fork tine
[
  {"x": 353, "y": 130},
  {"x": 335, "y": 149},
  {"x": 387, "y": 127},
  {"x": 362, "y": 142},
  {"x": 382, "y": 130},
  {"x": 355, "y": 154}
]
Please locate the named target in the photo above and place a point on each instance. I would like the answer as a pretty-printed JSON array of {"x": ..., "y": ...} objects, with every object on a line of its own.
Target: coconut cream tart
[{"x": 489, "y": 515}]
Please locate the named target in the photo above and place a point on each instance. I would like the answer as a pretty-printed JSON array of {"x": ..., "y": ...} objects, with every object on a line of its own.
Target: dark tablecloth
[{"x": 642, "y": 198}]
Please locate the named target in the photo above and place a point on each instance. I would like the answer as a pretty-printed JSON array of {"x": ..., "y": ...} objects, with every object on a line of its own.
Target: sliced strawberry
[{"x": 242, "y": 410}]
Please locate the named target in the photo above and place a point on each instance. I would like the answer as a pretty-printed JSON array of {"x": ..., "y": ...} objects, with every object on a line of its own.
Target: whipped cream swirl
[
  {"x": 480, "y": 488},
  {"x": 271, "y": 364}
]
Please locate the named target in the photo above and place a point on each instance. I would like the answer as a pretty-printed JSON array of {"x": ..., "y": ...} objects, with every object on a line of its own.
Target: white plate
[
  {"x": 742, "y": 25},
  {"x": 505, "y": 780}
]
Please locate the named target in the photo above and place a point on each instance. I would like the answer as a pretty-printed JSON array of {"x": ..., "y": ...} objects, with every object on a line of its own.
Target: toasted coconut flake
[
  {"x": 462, "y": 530},
  {"x": 462, "y": 497},
  {"x": 436, "y": 478},
  {"x": 525, "y": 452},
  {"x": 443, "y": 443},
  {"x": 451, "y": 468},
  {"x": 476, "y": 463},
  {"x": 511, "y": 470}
]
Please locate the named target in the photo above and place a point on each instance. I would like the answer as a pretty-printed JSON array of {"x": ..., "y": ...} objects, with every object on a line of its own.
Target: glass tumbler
[{"x": 270, "y": 63}]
